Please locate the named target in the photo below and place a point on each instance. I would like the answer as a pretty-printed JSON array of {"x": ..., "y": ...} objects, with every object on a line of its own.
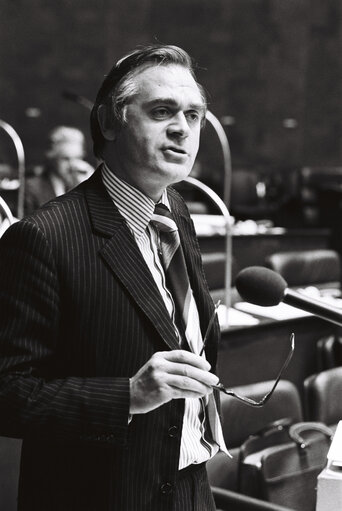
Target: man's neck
[{"x": 153, "y": 192}]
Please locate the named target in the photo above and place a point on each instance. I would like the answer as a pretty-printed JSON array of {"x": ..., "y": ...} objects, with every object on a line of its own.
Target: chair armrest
[{"x": 227, "y": 500}]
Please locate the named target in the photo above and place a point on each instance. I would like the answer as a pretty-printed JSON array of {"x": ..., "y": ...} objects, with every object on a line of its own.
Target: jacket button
[
  {"x": 166, "y": 488},
  {"x": 173, "y": 431}
]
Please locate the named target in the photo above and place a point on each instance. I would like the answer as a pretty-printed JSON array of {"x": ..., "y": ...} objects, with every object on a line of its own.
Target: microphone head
[{"x": 260, "y": 286}]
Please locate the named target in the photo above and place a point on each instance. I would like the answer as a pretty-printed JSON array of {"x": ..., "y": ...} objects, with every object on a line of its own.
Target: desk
[{"x": 256, "y": 353}]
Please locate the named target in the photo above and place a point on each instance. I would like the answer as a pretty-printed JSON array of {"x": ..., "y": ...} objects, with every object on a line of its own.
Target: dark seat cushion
[
  {"x": 306, "y": 267},
  {"x": 323, "y": 393}
]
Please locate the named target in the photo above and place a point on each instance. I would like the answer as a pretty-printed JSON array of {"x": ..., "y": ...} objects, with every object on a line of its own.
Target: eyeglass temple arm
[
  {"x": 245, "y": 400},
  {"x": 267, "y": 396}
]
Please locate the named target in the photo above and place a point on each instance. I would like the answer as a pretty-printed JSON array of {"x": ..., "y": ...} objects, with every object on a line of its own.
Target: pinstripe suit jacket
[{"x": 80, "y": 314}]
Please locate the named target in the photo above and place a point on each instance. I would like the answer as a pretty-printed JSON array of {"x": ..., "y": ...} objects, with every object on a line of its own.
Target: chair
[
  {"x": 240, "y": 420},
  {"x": 320, "y": 194},
  {"x": 329, "y": 352},
  {"x": 249, "y": 197},
  {"x": 214, "y": 268},
  {"x": 307, "y": 267},
  {"x": 322, "y": 394}
]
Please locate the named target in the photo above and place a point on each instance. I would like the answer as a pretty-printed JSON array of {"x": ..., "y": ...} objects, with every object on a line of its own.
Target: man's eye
[
  {"x": 193, "y": 116},
  {"x": 160, "y": 113}
]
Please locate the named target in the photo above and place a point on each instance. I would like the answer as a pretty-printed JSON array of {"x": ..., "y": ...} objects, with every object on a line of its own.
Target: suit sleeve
[{"x": 32, "y": 403}]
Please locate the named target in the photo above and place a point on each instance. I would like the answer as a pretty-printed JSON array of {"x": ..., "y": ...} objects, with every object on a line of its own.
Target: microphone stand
[
  {"x": 228, "y": 238},
  {"x": 227, "y": 160},
  {"x": 222, "y": 205},
  {"x": 21, "y": 164}
]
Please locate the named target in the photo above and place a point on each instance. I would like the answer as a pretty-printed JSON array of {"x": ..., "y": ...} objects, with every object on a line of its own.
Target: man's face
[{"x": 159, "y": 142}]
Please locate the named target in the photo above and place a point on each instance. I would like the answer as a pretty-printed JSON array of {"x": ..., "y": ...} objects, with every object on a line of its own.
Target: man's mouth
[{"x": 178, "y": 150}]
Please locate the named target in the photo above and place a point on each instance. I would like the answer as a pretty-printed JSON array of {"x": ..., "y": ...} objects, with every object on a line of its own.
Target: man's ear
[{"x": 107, "y": 128}]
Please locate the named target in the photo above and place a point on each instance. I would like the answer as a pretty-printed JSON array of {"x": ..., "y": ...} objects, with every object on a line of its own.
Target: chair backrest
[
  {"x": 329, "y": 352},
  {"x": 315, "y": 178},
  {"x": 322, "y": 394},
  {"x": 239, "y": 421},
  {"x": 306, "y": 267}
]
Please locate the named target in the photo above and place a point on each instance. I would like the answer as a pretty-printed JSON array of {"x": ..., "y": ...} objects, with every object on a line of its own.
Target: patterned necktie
[
  {"x": 177, "y": 281},
  {"x": 176, "y": 276}
]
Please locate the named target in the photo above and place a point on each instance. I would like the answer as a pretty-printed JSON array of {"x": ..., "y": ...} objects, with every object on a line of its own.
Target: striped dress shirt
[{"x": 137, "y": 209}]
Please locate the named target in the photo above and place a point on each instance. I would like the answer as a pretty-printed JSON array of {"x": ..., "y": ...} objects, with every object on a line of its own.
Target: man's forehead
[{"x": 168, "y": 81}]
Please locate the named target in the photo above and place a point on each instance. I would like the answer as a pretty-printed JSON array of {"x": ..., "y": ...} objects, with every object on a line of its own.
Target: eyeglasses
[
  {"x": 263, "y": 401},
  {"x": 230, "y": 392},
  {"x": 209, "y": 327}
]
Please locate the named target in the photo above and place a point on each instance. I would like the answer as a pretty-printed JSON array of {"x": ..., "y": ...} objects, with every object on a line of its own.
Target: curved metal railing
[
  {"x": 21, "y": 164},
  {"x": 228, "y": 236}
]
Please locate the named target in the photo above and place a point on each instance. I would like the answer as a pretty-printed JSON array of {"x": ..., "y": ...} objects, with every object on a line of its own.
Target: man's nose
[{"x": 179, "y": 126}]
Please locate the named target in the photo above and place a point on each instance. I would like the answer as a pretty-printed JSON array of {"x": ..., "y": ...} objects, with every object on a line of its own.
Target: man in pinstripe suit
[{"x": 91, "y": 371}]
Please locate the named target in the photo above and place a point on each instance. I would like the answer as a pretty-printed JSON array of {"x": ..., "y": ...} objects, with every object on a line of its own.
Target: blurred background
[
  {"x": 272, "y": 69},
  {"x": 273, "y": 73}
]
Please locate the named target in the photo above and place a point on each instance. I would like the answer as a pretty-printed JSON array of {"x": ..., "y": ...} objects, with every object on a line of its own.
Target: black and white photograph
[{"x": 170, "y": 255}]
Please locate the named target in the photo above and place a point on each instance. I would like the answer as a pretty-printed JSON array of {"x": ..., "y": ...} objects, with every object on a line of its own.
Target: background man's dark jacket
[{"x": 38, "y": 190}]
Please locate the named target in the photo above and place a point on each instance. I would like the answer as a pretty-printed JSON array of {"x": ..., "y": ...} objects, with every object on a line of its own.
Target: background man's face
[
  {"x": 64, "y": 161},
  {"x": 159, "y": 143}
]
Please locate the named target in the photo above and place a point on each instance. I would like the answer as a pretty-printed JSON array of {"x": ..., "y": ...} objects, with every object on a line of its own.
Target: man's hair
[{"x": 119, "y": 85}]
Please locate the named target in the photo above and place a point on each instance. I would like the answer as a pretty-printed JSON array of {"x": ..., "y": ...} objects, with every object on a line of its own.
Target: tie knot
[{"x": 163, "y": 219}]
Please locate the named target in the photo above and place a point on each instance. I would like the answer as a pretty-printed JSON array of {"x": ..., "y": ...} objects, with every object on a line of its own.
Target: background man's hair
[
  {"x": 63, "y": 135},
  {"x": 119, "y": 86}
]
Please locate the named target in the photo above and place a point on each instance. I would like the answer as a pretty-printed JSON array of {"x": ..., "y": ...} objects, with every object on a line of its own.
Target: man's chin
[{"x": 175, "y": 173}]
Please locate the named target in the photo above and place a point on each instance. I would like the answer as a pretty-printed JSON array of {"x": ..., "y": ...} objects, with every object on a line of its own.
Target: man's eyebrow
[{"x": 171, "y": 102}]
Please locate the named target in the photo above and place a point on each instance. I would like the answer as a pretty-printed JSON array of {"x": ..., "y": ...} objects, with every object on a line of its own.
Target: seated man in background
[{"x": 64, "y": 168}]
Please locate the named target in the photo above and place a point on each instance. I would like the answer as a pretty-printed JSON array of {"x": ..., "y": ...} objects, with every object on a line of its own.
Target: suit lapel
[{"x": 124, "y": 258}]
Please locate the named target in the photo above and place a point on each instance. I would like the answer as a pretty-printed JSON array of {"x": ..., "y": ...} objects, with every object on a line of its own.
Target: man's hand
[{"x": 170, "y": 375}]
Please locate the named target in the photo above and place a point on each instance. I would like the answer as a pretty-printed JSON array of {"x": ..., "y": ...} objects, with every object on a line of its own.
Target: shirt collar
[{"x": 136, "y": 207}]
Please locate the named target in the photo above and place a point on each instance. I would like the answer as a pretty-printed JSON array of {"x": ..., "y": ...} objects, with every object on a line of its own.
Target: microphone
[{"x": 265, "y": 287}]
